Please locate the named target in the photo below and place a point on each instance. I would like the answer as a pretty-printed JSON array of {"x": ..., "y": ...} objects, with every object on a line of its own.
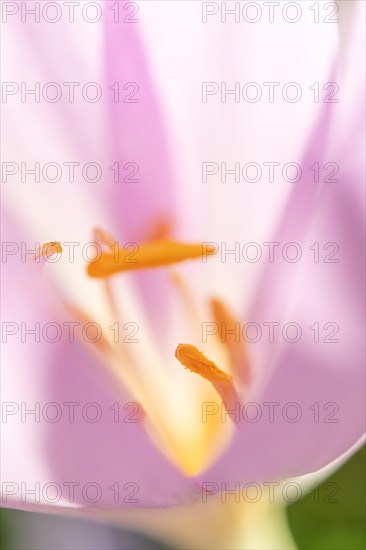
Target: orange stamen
[
  {"x": 194, "y": 360},
  {"x": 238, "y": 355},
  {"x": 147, "y": 255}
]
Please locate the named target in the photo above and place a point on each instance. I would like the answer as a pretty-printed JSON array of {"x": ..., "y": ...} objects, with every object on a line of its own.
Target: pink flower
[{"x": 121, "y": 423}]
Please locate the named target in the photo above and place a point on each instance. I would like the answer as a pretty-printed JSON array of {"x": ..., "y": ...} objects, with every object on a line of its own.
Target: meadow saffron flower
[{"x": 125, "y": 383}]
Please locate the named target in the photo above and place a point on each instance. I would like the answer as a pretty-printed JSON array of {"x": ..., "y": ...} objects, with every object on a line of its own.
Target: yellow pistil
[
  {"x": 147, "y": 255},
  {"x": 194, "y": 360}
]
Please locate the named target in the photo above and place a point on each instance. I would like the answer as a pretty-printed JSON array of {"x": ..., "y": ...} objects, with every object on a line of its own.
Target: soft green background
[{"x": 338, "y": 520}]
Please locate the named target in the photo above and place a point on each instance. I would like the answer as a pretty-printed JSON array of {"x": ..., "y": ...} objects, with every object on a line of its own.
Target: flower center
[{"x": 173, "y": 404}]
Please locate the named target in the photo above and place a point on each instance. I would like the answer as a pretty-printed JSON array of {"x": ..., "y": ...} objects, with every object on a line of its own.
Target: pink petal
[{"x": 324, "y": 380}]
